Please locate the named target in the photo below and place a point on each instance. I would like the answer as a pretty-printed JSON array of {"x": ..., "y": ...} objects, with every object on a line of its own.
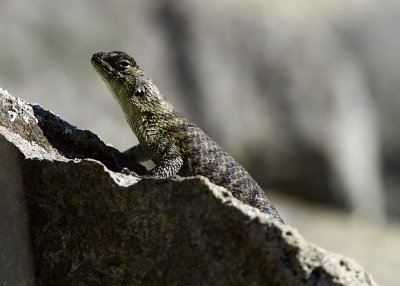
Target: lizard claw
[{"x": 126, "y": 171}]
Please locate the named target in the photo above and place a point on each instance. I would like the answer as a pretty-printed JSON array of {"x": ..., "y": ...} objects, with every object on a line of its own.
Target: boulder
[{"x": 70, "y": 217}]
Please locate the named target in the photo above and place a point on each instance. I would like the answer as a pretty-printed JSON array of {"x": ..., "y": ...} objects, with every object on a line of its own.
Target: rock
[{"x": 69, "y": 216}]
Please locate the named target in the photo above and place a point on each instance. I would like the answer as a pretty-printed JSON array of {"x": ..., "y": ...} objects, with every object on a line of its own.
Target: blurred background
[{"x": 305, "y": 94}]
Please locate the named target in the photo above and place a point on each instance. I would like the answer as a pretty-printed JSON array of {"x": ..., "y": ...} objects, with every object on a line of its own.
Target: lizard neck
[
  {"x": 147, "y": 122},
  {"x": 146, "y": 110}
]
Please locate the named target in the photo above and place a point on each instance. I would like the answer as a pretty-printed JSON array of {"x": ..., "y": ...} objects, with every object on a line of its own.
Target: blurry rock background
[{"x": 305, "y": 94}]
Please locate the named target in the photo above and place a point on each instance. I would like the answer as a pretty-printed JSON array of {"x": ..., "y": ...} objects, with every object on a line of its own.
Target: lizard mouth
[
  {"x": 101, "y": 66},
  {"x": 97, "y": 59}
]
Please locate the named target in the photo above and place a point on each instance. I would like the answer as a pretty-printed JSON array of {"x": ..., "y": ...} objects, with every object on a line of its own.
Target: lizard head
[
  {"x": 114, "y": 65},
  {"x": 138, "y": 97},
  {"x": 128, "y": 83},
  {"x": 117, "y": 69}
]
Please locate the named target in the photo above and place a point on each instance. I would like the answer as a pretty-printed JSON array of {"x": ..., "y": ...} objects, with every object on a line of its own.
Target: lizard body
[{"x": 166, "y": 137}]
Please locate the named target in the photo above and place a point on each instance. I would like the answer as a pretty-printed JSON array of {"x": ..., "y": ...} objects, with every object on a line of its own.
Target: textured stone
[{"x": 89, "y": 225}]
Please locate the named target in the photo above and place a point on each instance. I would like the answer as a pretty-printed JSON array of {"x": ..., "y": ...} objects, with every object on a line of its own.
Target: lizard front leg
[
  {"x": 168, "y": 160},
  {"x": 137, "y": 153}
]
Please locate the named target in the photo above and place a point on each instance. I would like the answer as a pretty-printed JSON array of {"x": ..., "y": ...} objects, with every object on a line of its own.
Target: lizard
[{"x": 166, "y": 137}]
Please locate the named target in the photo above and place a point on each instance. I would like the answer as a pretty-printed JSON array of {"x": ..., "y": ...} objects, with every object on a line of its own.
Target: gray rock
[{"x": 68, "y": 214}]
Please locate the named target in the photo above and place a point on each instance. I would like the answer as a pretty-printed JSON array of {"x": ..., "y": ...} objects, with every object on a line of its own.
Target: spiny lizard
[{"x": 166, "y": 137}]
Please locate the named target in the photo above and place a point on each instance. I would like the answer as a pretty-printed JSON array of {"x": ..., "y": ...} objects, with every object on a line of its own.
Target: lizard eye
[{"x": 124, "y": 64}]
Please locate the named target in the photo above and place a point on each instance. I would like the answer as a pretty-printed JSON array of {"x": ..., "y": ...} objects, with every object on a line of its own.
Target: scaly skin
[{"x": 175, "y": 145}]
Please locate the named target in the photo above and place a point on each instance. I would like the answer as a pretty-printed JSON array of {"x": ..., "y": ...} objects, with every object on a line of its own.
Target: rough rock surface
[{"x": 89, "y": 225}]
